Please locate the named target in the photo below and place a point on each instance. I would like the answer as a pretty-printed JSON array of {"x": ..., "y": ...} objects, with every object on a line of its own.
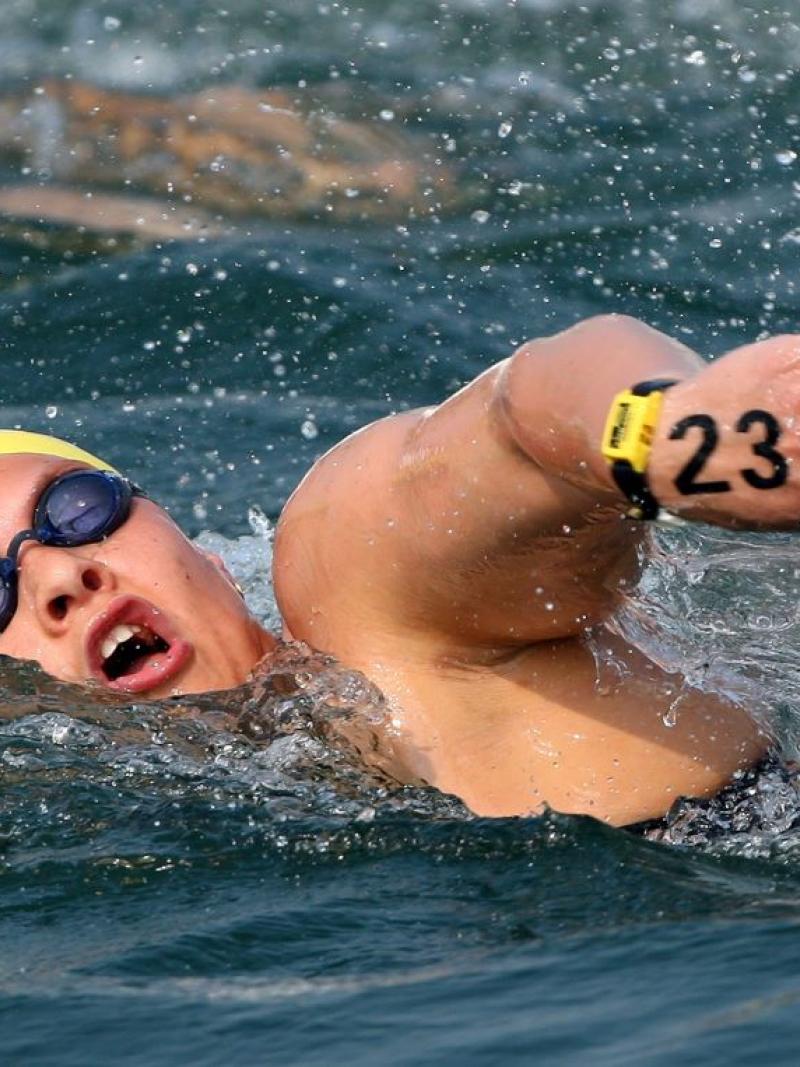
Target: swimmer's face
[{"x": 142, "y": 612}]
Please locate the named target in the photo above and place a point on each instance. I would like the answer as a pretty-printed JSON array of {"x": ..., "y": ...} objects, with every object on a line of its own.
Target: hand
[{"x": 727, "y": 448}]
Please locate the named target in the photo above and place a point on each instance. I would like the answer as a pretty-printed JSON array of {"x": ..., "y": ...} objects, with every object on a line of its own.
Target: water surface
[{"x": 172, "y": 890}]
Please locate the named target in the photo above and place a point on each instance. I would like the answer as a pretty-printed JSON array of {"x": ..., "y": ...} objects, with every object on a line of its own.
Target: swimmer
[{"x": 457, "y": 556}]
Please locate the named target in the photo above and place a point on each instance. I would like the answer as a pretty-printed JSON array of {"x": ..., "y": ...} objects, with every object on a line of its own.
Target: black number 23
[{"x": 687, "y": 480}]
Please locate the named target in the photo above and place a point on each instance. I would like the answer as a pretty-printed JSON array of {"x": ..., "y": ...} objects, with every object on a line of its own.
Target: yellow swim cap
[{"x": 18, "y": 442}]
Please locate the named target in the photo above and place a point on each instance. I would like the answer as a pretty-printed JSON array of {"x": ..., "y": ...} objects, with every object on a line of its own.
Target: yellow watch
[{"x": 628, "y": 438}]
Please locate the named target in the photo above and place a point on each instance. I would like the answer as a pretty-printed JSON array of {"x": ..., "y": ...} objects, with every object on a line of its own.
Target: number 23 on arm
[{"x": 728, "y": 440}]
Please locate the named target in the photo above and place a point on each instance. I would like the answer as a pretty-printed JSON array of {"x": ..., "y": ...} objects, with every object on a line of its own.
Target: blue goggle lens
[
  {"x": 81, "y": 507},
  {"x": 78, "y": 508}
]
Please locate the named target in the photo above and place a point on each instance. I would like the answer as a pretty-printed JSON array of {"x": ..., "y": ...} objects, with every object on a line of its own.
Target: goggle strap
[{"x": 18, "y": 540}]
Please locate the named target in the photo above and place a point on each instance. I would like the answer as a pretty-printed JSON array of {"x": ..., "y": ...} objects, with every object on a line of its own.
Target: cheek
[
  {"x": 168, "y": 569},
  {"x": 150, "y": 552},
  {"x": 20, "y": 647},
  {"x": 151, "y": 558},
  {"x": 24, "y": 640}
]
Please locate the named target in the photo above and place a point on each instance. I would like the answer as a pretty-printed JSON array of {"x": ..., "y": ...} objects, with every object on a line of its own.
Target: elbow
[
  {"x": 609, "y": 331},
  {"x": 553, "y": 394},
  {"x": 519, "y": 406}
]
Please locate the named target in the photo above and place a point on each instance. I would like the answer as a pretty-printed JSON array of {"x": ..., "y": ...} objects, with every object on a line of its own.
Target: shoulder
[
  {"x": 353, "y": 478},
  {"x": 335, "y": 540}
]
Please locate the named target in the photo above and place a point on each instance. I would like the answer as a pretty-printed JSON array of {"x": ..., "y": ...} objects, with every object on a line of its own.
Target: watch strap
[{"x": 628, "y": 438}]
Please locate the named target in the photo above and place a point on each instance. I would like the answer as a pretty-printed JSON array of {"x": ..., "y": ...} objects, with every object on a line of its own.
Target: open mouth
[
  {"x": 132, "y": 647},
  {"x": 127, "y": 648}
]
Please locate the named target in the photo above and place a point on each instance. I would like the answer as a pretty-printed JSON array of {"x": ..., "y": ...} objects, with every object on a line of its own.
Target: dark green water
[{"x": 171, "y": 893}]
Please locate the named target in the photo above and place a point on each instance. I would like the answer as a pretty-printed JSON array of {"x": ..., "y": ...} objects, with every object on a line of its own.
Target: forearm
[
  {"x": 555, "y": 393},
  {"x": 727, "y": 444}
]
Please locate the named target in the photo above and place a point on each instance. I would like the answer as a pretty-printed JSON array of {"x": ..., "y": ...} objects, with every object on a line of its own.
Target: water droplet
[
  {"x": 386, "y": 114},
  {"x": 786, "y": 156},
  {"x": 696, "y": 58},
  {"x": 480, "y": 216},
  {"x": 505, "y": 128},
  {"x": 111, "y": 23},
  {"x": 51, "y": 411},
  {"x": 192, "y": 268},
  {"x": 309, "y": 429},
  {"x": 670, "y": 716}
]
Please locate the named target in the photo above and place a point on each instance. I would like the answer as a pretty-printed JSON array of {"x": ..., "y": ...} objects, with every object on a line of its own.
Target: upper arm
[{"x": 487, "y": 522}]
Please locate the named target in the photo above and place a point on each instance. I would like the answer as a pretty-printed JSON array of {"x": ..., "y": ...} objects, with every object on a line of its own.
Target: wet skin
[
  {"x": 471, "y": 545},
  {"x": 65, "y": 594},
  {"x": 457, "y": 556}
]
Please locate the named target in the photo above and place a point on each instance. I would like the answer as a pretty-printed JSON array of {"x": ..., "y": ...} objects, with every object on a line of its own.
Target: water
[{"x": 178, "y": 886}]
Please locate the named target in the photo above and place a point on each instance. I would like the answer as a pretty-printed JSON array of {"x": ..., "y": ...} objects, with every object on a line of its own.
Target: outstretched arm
[{"x": 492, "y": 521}]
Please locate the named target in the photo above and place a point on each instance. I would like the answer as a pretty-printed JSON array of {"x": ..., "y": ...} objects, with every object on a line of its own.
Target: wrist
[
  {"x": 628, "y": 437},
  {"x": 665, "y": 459}
]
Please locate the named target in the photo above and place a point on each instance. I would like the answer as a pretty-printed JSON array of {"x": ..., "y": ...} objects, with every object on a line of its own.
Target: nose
[{"x": 57, "y": 581}]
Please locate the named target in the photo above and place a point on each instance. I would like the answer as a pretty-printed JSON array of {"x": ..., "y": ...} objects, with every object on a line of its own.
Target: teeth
[{"x": 116, "y": 637}]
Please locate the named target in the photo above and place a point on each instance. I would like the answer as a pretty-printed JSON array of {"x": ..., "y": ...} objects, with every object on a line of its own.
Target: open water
[{"x": 221, "y": 882}]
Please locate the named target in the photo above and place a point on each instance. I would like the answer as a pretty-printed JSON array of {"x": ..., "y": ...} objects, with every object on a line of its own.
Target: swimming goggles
[{"x": 79, "y": 508}]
